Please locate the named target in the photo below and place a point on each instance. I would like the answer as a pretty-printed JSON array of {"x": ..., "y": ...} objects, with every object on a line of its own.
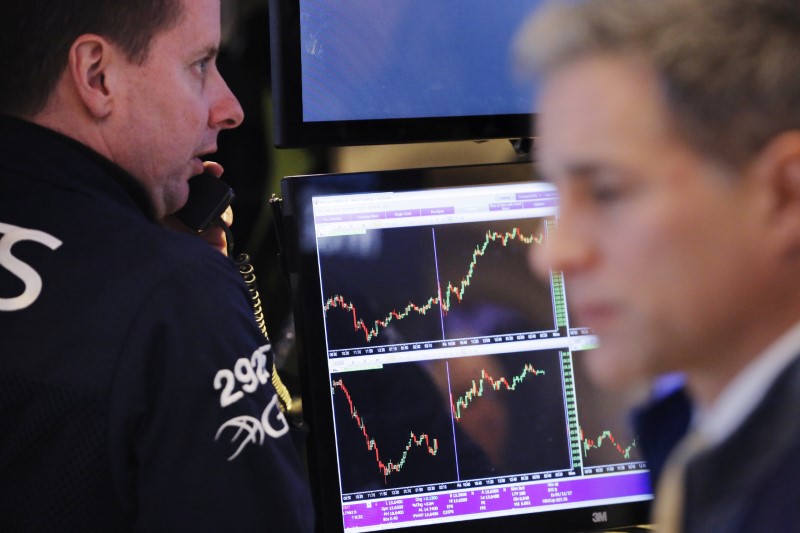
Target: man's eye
[
  {"x": 605, "y": 193},
  {"x": 203, "y": 65}
]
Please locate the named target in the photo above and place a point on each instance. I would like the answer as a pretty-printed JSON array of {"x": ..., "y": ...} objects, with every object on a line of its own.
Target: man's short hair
[
  {"x": 37, "y": 35},
  {"x": 729, "y": 70}
]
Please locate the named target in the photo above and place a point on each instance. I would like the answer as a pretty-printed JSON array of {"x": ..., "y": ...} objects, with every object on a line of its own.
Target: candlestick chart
[
  {"x": 605, "y": 432},
  {"x": 477, "y": 389},
  {"x": 390, "y": 466},
  {"x": 392, "y": 429},
  {"x": 450, "y": 420},
  {"x": 607, "y": 440},
  {"x": 433, "y": 283},
  {"x": 513, "y": 406}
]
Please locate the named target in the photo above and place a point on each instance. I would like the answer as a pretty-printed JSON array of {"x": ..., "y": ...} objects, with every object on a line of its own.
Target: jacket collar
[{"x": 48, "y": 155}]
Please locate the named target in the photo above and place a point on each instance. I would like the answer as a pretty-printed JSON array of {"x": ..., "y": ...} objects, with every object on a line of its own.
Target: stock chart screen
[{"x": 458, "y": 386}]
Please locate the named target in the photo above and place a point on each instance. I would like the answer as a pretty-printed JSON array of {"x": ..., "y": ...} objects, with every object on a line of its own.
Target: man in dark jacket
[
  {"x": 672, "y": 131},
  {"x": 135, "y": 385}
]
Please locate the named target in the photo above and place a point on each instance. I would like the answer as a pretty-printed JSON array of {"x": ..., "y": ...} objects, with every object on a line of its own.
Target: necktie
[{"x": 668, "y": 513}]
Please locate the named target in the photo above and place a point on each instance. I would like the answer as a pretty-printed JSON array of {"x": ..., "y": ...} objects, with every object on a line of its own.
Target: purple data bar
[
  {"x": 527, "y": 204},
  {"x": 474, "y": 502},
  {"x": 522, "y": 201},
  {"x": 541, "y": 195}
]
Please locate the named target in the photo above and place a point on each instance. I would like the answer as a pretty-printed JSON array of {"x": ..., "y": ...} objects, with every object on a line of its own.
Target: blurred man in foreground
[{"x": 672, "y": 132}]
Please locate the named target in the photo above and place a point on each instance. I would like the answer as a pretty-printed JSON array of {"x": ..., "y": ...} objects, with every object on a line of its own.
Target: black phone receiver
[{"x": 209, "y": 197}]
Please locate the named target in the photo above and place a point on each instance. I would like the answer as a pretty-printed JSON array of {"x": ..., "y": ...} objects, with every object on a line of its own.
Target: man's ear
[
  {"x": 778, "y": 167},
  {"x": 88, "y": 62}
]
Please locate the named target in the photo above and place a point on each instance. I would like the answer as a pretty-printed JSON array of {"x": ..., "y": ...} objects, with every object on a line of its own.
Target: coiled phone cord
[{"x": 248, "y": 274}]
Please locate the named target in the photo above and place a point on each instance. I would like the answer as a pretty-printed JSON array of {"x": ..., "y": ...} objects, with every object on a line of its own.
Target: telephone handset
[{"x": 209, "y": 197}]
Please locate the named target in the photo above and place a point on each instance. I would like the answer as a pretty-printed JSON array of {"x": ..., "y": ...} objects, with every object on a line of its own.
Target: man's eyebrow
[
  {"x": 210, "y": 51},
  {"x": 582, "y": 171}
]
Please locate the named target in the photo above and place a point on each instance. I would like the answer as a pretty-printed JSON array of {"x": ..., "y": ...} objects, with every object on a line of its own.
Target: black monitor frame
[
  {"x": 291, "y": 131},
  {"x": 303, "y": 269}
]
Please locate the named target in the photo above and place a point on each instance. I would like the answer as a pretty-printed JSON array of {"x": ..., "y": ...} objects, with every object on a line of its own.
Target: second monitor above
[{"x": 355, "y": 73}]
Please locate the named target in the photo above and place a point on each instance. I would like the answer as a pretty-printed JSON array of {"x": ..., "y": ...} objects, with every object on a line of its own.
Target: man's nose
[
  {"x": 566, "y": 248},
  {"x": 226, "y": 112}
]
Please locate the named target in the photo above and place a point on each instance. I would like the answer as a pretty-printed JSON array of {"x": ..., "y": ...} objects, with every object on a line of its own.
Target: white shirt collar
[{"x": 747, "y": 389}]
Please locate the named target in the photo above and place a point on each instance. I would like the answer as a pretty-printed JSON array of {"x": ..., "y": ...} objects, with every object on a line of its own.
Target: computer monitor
[
  {"x": 444, "y": 383},
  {"x": 354, "y": 73}
]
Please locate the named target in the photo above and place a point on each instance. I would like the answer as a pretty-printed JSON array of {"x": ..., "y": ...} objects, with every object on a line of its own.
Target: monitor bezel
[
  {"x": 292, "y": 131},
  {"x": 302, "y": 266}
]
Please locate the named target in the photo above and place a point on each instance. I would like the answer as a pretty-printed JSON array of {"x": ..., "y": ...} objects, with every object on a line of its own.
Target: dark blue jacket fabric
[
  {"x": 134, "y": 381},
  {"x": 751, "y": 481}
]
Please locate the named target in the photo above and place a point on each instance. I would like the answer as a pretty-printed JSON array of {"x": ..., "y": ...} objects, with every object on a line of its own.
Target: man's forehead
[
  {"x": 595, "y": 105},
  {"x": 596, "y": 86}
]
